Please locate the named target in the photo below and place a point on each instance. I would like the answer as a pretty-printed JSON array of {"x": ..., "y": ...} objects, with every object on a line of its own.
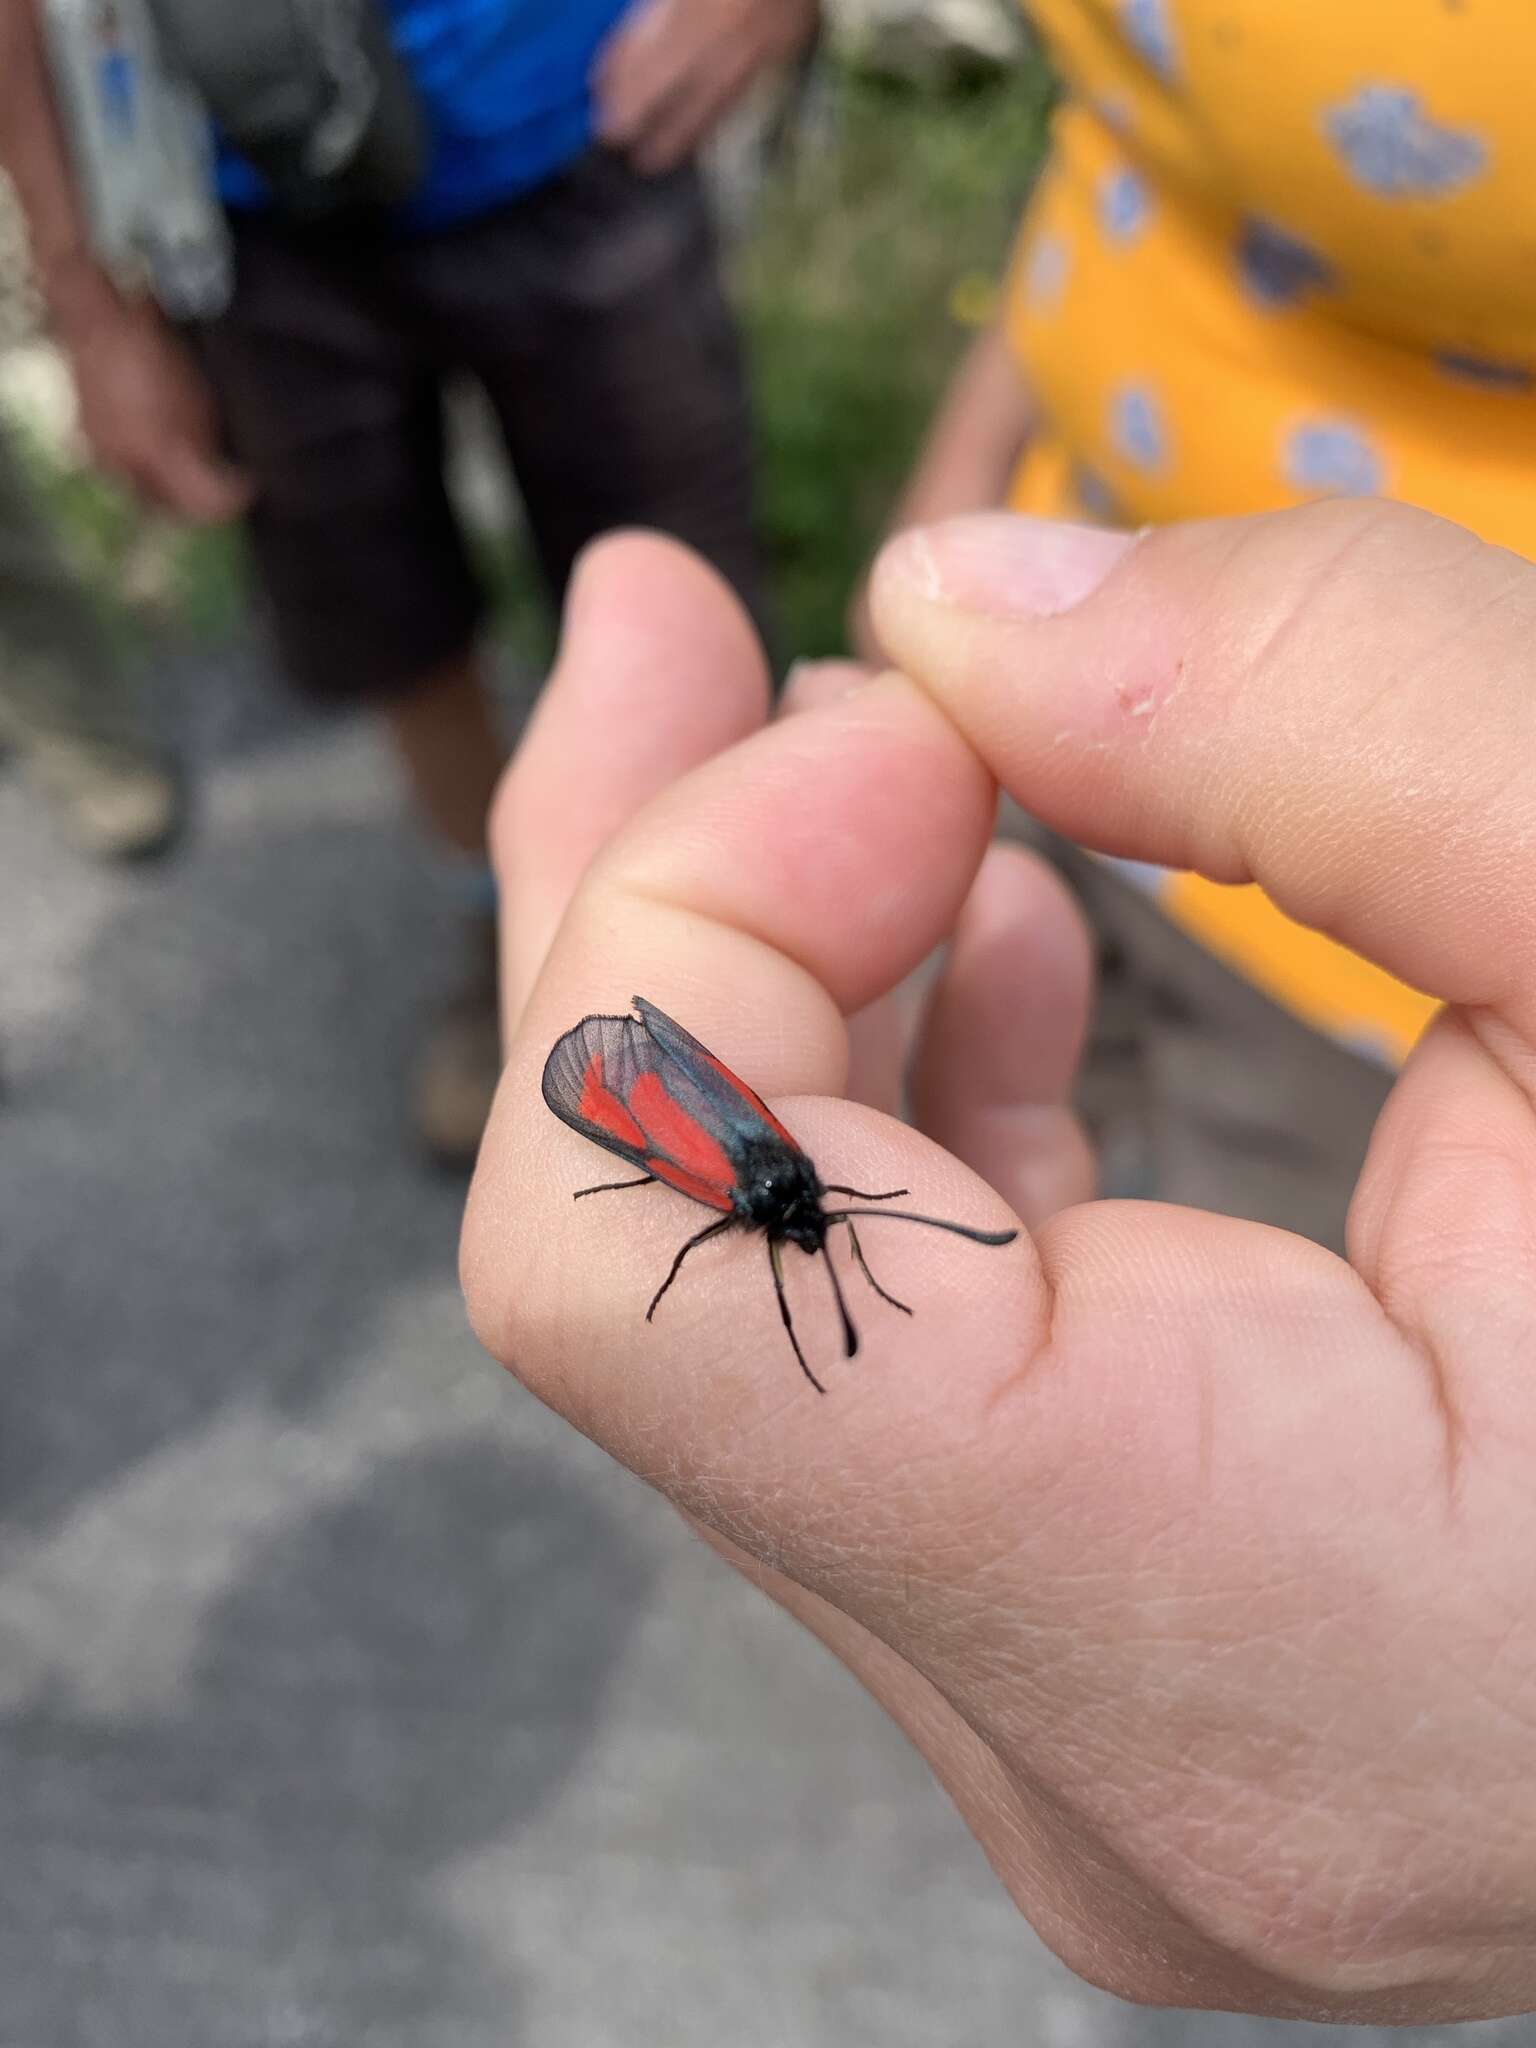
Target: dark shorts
[{"x": 592, "y": 314}]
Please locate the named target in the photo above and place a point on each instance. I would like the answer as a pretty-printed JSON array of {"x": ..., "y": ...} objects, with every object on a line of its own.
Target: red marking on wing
[
  {"x": 750, "y": 1096},
  {"x": 686, "y": 1143},
  {"x": 600, "y": 1106},
  {"x": 705, "y": 1191}
]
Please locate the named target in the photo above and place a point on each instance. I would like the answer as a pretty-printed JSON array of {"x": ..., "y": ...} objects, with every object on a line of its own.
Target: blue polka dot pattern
[
  {"x": 1136, "y": 427},
  {"x": 1045, "y": 272},
  {"x": 1094, "y": 495},
  {"x": 1123, "y": 205},
  {"x": 1491, "y": 374},
  {"x": 1148, "y": 28},
  {"x": 1277, "y": 268},
  {"x": 1115, "y": 111},
  {"x": 1395, "y": 150},
  {"x": 1331, "y": 456}
]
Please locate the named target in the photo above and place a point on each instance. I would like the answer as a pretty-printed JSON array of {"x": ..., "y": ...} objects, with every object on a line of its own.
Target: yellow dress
[{"x": 1284, "y": 250}]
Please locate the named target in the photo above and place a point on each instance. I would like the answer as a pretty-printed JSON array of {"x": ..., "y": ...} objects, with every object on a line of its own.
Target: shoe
[
  {"x": 460, "y": 1061},
  {"x": 114, "y": 804}
]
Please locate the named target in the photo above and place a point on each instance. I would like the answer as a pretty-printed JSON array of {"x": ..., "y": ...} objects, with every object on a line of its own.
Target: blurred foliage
[
  {"x": 870, "y": 258},
  {"x": 866, "y": 269},
  {"x": 148, "y": 572}
]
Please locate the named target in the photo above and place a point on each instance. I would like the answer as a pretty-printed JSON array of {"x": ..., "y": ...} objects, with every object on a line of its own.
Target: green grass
[
  {"x": 848, "y": 289},
  {"x": 149, "y": 575}
]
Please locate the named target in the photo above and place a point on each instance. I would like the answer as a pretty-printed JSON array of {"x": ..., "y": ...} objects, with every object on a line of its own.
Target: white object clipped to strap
[{"x": 142, "y": 147}]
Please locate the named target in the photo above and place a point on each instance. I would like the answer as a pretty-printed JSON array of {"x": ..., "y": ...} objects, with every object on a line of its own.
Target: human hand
[
  {"x": 147, "y": 415},
  {"x": 672, "y": 68},
  {"x": 1196, "y": 1561},
  {"x": 863, "y": 640},
  {"x": 970, "y": 451}
]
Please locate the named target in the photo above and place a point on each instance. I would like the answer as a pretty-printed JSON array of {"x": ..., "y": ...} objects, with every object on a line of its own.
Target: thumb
[{"x": 1332, "y": 701}]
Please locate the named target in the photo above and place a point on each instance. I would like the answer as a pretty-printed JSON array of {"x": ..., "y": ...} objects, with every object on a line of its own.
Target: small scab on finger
[{"x": 1143, "y": 700}]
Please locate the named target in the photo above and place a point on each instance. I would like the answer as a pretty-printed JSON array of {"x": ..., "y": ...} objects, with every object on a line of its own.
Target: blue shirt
[{"x": 504, "y": 84}]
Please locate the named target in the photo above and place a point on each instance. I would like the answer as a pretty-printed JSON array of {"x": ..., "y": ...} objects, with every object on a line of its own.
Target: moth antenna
[
  {"x": 863, "y": 1194},
  {"x": 850, "y": 1334},
  {"x": 777, "y": 1269},
  {"x": 610, "y": 1187},
  {"x": 933, "y": 1223},
  {"x": 863, "y": 1266}
]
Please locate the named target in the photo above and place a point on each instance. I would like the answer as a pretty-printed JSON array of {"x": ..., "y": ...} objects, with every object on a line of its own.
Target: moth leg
[
  {"x": 863, "y": 1265},
  {"x": 609, "y": 1187},
  {"x": 860, "y": 1195},
  {"x": 700, "y": 1237},
  {"x": 777, "y": 1267},
  {"x": 850, "y": 1334}
]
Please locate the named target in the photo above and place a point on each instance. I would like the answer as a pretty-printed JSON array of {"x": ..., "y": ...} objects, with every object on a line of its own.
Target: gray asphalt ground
[{"x": 345, "y": 1698}]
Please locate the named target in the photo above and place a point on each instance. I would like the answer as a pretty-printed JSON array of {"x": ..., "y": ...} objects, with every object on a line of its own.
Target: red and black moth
[{"x": 643, "y": 1088}]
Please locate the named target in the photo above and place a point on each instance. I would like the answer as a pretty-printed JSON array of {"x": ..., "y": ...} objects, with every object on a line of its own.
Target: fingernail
[
  {"x": 822, "y": 682},
  {"x": 1005, "y": 564}
]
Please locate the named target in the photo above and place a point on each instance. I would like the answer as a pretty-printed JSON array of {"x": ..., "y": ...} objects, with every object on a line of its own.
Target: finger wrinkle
[
  {"x": 739, "y": 957},
  {"x": 844, "y": 887},
  {"x": 1270, "y": 650}
]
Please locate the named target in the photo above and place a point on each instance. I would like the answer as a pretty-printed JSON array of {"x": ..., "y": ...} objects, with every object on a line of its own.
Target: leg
[
  {"x": 611, "y": 359},
  {"x": 701, "y": 1237},
  {"x": 332, "y": 404},
  {"x": 610, "y": 1187},
  {"x": 448, "y": 741},
  {"x": 69, "y": 702},
  {"x": 777, "y": 1267},
  {"x": 862, "y": 1264},
  {"x": 850, "y": 1334},
  {"x": 335, "y": 409},
  {"x": 859, "y": 1194}
]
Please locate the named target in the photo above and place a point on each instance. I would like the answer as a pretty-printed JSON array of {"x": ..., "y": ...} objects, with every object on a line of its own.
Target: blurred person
[
  {"x": 559, "y": 251},
  {"x": 1194, "y": 1559},
  {"x": 70, "y": 709},
  {"x": 1274, "y": 255}
]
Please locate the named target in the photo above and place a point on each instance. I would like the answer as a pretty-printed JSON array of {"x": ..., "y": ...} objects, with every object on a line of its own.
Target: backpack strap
[{"x": 310, "y": 92}]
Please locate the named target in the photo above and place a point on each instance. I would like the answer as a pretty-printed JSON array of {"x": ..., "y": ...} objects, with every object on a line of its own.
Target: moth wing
[
  {"x": 731, "y": 1103},
  {"x": 586, "y": 1080},
  {"x": 615, "y": 1084}
]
